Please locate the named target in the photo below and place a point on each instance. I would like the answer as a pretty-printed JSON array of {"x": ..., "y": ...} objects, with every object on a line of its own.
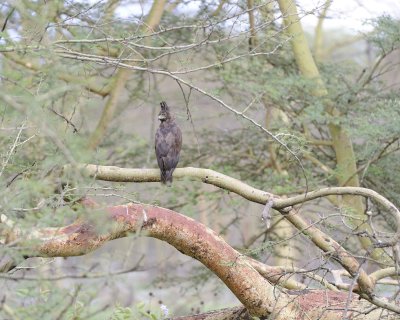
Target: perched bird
[{"x": 168, "y": 144}]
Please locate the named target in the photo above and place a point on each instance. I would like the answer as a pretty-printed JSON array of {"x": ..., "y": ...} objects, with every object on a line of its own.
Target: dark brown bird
[{"x": 168, "y": 144}]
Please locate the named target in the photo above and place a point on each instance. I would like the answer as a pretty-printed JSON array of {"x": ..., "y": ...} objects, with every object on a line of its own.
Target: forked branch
[{"x": 116, "y": 174}]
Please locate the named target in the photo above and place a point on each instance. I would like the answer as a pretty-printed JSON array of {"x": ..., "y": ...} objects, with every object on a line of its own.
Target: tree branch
[
  {"x": 89, "y": 84},
  {"x": 185, "y": 234},
  {"x": 237, "y": 313},
  {"x": 346, "y": 161},
  {"x": 199, "y": 242},
  {"x": 116, "y": 174},
  {"x": 322, "y": 240}
]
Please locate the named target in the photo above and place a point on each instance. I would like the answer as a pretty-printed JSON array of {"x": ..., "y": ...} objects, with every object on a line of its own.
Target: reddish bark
[
  {"x": 184, "y": 233},
  {"x": 196, "y": 240}
]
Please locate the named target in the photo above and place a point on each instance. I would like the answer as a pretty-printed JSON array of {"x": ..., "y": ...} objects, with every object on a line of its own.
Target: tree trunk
[{"x": 342, "y": 145}]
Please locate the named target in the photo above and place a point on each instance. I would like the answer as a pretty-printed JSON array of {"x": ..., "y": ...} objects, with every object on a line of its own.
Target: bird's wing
[
  {"x": 178, "y": 135},
  {"x": 174, "y": 142},
  {"x": 168, "y": 145},
  {"x": 161, "y": 149},
  {"x": 161, "y": 144}
]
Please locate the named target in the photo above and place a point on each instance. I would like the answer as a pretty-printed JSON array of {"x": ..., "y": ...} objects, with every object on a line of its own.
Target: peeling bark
[
  {"x": 242, "y": 275},
  {"x": 185, "y": 234},
  {"x": 116, "y": 174}
]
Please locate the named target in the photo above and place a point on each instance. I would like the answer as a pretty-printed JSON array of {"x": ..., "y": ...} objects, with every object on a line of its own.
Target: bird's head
[{"x": 164, "y": 113}]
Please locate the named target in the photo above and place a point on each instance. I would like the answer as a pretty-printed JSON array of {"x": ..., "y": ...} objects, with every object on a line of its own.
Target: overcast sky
[{"x": 350, "y": 14}]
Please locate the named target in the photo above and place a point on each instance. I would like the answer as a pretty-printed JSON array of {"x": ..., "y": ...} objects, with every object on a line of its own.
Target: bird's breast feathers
[{"x": 168, "y": 138}]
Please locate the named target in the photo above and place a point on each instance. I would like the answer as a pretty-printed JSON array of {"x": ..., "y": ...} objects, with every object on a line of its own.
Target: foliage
[
  {"x": 386, "y": 34},
  {"x": 53, "y": 94}
]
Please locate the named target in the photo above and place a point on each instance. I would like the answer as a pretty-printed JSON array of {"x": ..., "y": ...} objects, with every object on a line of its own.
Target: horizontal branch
[
  {"x": 116, "y": 174},
  {"x": 320, "y": 239}
]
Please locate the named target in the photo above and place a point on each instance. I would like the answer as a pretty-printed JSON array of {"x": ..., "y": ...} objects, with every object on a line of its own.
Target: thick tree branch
[
  {"x": 184, "y": 233},
  {"x": 384, "y": 273},
  {"x": 195, "y": 240},
  {"x": 322, "y": 240},
  {"x": 116, "y": 174}
]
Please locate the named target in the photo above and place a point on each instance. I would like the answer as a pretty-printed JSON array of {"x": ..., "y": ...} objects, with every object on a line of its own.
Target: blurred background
[{"x": 81, "y": 82}]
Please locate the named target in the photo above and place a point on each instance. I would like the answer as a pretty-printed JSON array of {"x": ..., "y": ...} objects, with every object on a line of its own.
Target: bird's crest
[
  {"x": 164, "y": 113},
  {"x": 164, "y": 106}
]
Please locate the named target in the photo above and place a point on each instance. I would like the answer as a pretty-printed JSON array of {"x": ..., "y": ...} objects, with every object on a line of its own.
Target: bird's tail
[
  {"x": 163, "y": 177},
  {"x": 166, "y": 177}
]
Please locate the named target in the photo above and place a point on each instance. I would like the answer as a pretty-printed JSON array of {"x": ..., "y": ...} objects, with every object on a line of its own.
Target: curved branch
[
  {"x": 320, "y": 239},
  {"x": 195, "y": 240},
  {"x": 283, "y": 203},
  {"x": 185, "y": 234},
  {"x": 384, "y": 273},
  {"x": 116, "y": 174},
  {"x": 335, "y": 251}
]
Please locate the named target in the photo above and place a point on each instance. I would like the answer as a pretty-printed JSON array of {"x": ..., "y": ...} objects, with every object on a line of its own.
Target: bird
[{"x": 168, "y": 144}]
